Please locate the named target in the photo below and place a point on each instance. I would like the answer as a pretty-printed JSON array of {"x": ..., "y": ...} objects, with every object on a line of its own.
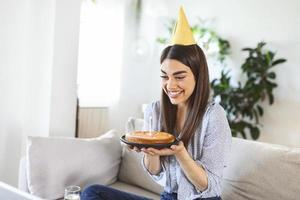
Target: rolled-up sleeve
[{"x": 215, "y": 149}]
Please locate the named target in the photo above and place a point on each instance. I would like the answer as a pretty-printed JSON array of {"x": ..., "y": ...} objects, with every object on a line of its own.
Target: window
[{"x": 100, "y": 52}]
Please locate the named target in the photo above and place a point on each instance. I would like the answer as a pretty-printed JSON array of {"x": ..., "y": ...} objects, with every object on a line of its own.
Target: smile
[{"x": 174, "y": 94}]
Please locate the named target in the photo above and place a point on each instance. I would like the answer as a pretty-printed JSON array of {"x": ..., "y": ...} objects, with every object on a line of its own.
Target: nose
[{"x": 171, "y": 84}]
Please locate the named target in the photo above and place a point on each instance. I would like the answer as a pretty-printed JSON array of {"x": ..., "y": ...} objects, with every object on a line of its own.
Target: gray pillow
[
  {"x": 261, "y": 171},
  {"x": 54, "y": 163}
]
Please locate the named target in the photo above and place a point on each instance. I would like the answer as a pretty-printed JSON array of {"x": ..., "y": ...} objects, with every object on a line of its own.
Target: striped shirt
[{"x": 209, "y": 148}]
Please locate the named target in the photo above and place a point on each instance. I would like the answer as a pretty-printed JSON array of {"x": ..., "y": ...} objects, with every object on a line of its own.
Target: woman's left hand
[{"x": 173, "y": 150}]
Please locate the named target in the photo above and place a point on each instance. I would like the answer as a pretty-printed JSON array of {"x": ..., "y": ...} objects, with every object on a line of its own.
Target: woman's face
[{"x": 178, "y": 81}]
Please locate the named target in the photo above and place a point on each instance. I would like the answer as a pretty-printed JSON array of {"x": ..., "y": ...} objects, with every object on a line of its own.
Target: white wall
[
  {"x": 243, "y": 23},
  {"x": 13, "y": 51},
  {"x": 38, "y": 62},
  {"x": 64, "y": 70},
  {"x": 38, "y": 73}
]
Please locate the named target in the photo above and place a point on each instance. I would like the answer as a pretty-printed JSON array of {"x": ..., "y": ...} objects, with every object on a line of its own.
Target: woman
[{"x": 193, "y": 169}]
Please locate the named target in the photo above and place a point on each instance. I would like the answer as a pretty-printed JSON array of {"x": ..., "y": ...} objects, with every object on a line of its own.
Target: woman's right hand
[
  {"x": 147, "y": 152},
  {"x": 151, "y": 161}
]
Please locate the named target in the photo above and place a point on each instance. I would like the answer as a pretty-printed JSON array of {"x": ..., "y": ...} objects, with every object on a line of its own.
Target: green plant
[{"x": 242, "y": 103}]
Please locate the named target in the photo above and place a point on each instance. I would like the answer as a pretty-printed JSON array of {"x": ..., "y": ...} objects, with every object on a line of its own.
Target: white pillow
[
  {"x": 260, "y": 171},
  {"x": 54, "y": 163}
]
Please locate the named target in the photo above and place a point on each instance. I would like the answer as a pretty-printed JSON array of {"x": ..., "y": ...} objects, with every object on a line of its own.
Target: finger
[
  {"x": 144, "y": 150},
  {"x": 150, "y": 153},
  {"x": 165, "y": 151},
  {"x": 154, "y": 151},
  {"x": 147, "y": 152},
  {"x": 151, "y": 149},
  {"x": 130, "y": 147},
  {"x": 136, "y": 149},
  {"x": 173, "y": 147}
]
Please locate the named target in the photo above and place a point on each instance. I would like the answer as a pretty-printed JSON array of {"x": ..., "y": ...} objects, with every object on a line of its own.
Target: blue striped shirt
[{"x": 209, "y": 148}]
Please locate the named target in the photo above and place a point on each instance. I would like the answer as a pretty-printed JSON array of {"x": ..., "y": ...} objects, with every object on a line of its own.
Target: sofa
[{"x": 254, "y": 170}]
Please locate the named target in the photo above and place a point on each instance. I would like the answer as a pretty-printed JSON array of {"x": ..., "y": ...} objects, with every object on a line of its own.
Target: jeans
[
  {"x": 173, "y": 196},
  {"x": 101, "y": 192}
]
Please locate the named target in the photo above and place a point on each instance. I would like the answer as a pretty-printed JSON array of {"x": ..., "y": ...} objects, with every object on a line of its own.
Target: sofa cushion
[
  {"x": 55, "y": 162},
  {"x": 261, "y": 171},
  {"x": 131, "y": 170}
]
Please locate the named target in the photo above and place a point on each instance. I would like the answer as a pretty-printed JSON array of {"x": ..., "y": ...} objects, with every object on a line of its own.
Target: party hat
[{"x": 182, "y": 33}]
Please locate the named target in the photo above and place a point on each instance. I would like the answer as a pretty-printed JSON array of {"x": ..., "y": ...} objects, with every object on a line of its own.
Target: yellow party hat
[{"x": 182, "y": 33}]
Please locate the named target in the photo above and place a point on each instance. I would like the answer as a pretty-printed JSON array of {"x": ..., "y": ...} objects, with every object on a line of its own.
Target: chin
[{"x": 175, "y": 102}]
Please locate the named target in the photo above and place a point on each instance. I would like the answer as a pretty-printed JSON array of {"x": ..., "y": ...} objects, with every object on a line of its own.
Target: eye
[
  {"x": 164, "y": 77},
  {"x": 180, "y": 77}
]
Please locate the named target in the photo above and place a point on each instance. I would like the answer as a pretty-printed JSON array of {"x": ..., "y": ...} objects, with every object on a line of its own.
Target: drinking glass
[{"x": 72, "y": 192}]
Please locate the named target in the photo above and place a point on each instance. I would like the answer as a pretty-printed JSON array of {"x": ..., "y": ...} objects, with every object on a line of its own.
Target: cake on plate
[{"x": 149, "y": 137}]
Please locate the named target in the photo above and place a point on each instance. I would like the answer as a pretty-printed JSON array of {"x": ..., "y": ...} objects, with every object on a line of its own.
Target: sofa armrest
[
  {"x": 22, "y": 181},
  {"x": 134, "y": 124}
]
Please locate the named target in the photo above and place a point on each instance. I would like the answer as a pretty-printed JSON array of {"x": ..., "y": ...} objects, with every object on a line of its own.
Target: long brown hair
[{"x": 193, "y": 57}]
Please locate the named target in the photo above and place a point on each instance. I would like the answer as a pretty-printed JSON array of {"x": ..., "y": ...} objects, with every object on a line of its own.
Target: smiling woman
[
  {"x": 99, "y": 65},
  {"x": 178, "y": 81}
]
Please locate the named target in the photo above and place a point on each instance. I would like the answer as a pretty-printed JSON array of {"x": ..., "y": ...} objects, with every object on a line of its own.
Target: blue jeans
[
  {"x": 173, "y": 196},
  {"x": 101, "y": 192}
]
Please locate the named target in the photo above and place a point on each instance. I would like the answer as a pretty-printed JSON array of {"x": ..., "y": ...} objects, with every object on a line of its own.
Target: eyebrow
[{"x": 175, "y": 73}]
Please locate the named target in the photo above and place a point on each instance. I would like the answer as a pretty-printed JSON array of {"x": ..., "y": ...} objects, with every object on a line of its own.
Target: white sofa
[{"x": 255, "y": 170}]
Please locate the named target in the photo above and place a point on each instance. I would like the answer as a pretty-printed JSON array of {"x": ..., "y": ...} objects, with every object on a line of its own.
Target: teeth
[{"x": 174, "y": 94}]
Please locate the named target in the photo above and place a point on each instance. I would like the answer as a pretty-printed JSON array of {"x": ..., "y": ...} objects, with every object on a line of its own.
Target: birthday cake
[{"x": 149, "y": 137}]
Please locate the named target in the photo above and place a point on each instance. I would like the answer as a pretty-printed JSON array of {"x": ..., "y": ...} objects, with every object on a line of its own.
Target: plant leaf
[
  {"x": 276, "y": 62},
  {"x": 272, "y": 75},
  {"x": 254, "y": 133},
  {"x": 260, "y": 110}
]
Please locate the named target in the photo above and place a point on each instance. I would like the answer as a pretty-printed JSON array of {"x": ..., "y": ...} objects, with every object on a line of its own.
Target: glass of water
[{"x": 72, "y": 193}]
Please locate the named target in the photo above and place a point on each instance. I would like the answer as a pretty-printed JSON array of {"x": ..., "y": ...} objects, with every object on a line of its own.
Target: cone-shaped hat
[{"x": 182, "y": 33}]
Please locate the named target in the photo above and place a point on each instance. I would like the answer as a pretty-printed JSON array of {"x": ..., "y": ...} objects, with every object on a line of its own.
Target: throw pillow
[
  {"x": 258, "y": 170},
  {"x": 55, "y": 162}
]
